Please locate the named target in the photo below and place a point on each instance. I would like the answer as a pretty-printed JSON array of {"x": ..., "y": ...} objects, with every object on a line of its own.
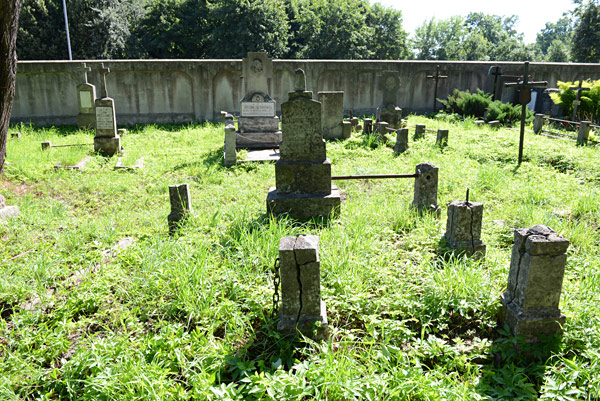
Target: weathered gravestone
[
  {"x": 181, "y": 205},
  {"x": 463, "y": 228},
  {"x": 537, "y": 267},
  {"x": 389, "y": 85},
  {"x": 583, "y": 133},
  {"x": 7, "y": 211},
  {"x": 401, "y": 140},
  {"x": 419, "y": 131},
  {"x": 301, "y": 306},
  {"x": 303, "y": 172},
  {"x": 442, "y": 138},
  {"x": 426, "y": 188},
  {"x": 107, "y": 142},
  {"x": 332, "y": 113},
  {"x": 86, "y": 95},
  {"x": 258, "y": 126},
  {"x": 229, "y": 149}
]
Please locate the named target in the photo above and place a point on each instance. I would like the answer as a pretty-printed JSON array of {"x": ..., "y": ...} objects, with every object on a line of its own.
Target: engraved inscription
[
  {"x": 258, "y": 109},
  {"x": 104, "y": 118},
  {"x": 85, "y": 99}
]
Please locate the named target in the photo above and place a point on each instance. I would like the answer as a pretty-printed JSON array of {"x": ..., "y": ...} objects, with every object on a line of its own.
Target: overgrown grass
[{"x": 189, "y": 317}]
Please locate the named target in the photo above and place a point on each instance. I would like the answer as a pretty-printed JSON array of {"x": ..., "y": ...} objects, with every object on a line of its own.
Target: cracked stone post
[
  {"x": 463, "y": 228},
  {"x": 584, "y": 132},
  {"x": 419, "y": 130},
  {"x": 181, "y": 205},
  {"x": 301, "y": 306},
  {"x": 229, "y": 149},
  {"x": 442, "y": 138},
  {"x": 538, "y": 123},
  {"x": 537, "y": 267},
  {"x": 346, "y": 129},
  {"x": 426, "y": 188},
  {"x": 46, "y": 145},
  {"x": 401, "y": 141}
]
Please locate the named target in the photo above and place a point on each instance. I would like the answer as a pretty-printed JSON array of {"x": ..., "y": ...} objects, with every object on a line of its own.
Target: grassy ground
[{"x": 189, "y": 317}]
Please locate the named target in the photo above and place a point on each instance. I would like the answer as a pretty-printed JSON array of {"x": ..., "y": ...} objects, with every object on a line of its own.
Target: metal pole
[
  {"x": 67, "y": 27},
  {"x": 372, "y": 176}
]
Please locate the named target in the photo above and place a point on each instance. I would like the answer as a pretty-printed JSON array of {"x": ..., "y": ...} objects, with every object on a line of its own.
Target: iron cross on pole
[
  {"x": 524, "y": 87},
  {"x": 496, "y": 72},
  {"x": 436, "y": 76},
  {"x": 85, "y": 69},
  {"x": 103, "y": 70},
  {"x": 577, "y": 100}
]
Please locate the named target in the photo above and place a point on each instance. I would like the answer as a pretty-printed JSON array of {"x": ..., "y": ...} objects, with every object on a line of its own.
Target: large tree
[
  {"x": 585, "y": 47},
  {"x": 9, "y": 25}
]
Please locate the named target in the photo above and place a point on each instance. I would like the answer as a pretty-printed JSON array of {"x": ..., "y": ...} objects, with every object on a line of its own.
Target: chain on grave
[{"x": 276, "y": 282}]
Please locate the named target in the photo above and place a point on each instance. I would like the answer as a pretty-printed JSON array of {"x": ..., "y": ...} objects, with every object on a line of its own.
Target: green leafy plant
[{"x": 589, "y": 109}]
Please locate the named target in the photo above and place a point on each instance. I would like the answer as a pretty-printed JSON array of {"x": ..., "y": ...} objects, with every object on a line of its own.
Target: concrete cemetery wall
[{"x": 161, "y": 91}]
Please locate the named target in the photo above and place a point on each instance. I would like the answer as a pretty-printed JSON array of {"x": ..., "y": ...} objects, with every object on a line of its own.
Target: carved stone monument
[
  {"x": 107, "y": 142},
  {"x": 332, "y": 113},
  {"x": 86, "y": 95},
  {"x": 258, "y": 126},
  {"x": 389, "y": 84},
  {"x": 303, "y": 172},
  {"x": 301, "y": 306}
]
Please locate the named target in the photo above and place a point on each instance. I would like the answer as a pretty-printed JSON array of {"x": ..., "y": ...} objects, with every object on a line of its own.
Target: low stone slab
[
  {"x": 138, "y": 164},
  {"x": 258, "y": 140},
  {"x": 258, "y": 124},
  {"x": 304, "y": 206},
  {"x": 262, "y": 155},
  {"x": 79, "y": 166}
]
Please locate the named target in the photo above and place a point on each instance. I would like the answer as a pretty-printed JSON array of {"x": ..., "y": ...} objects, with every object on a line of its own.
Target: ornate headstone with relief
[
  {"x": 106, "y": 141},
  {"x": 86, "y": 95},
  {"x": 389, "y": 84},
  {"x": 258, "y": 126}
]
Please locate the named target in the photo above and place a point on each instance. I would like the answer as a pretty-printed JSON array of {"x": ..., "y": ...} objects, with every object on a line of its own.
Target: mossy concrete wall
[{"x": 163, "y": 91}]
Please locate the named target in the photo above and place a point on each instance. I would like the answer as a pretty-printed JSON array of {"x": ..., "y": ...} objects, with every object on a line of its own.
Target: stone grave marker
[
  {"x": 538, "y": 123},
  {"x": 401, "y": 145},
  {"x": 367, "y": 126},
  {"x": 181, "y": 205},
  {"x": 303, "y": 172},
  {"x": 419, "y": 131},
  {"x": 537, "y": 267},
  {"x": 229, "y": 149},
  {"x": 6, "y": 211},
  {"x": 258, "y": 126},
  {"x": 86, "y": 95},
  {"x": 346, "y": 129},
  {"x": 577, "y": 101},
  {"x": 426, "y": 188},
  {"x": 301, "y": 306},
  {"x": 389, "y": 85},
  {"x": 442, "y": 138},
  {"x": 463, "y": 227},
  {"x": 583, "y": 133},
  {"x": 107, "y": 142},
  {"x": 332, "y": 113}
]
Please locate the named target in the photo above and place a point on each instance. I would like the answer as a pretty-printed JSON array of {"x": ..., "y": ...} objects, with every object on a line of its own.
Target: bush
[
  {"x": 466, "y": 103},
  {"x": 589, "y": 109},
  {"x": 506, "y": 113}
]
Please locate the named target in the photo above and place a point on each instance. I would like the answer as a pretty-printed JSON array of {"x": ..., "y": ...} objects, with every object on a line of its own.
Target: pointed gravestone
[
  {"x": 86, "y": 95},
  {"x": 107, "y": 142},
  {"x": 258, "y": 126},
  {"x": 303, "y": 172},
  {"x": 389, "y": 85}
]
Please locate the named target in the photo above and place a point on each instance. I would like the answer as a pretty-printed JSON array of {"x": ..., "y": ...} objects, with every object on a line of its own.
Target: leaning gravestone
[
  {"x": 389, "y": 84},
  {"x": 303, "y": 172},
  {"x": 258, "y": 126},
  {"x": 537, "y": 267},
  {"x": 86, "y": 95},
  {"x": 332, "y": 113},
  {"x": 7, "y": 211},
  {"x": 107, "y": 142}
]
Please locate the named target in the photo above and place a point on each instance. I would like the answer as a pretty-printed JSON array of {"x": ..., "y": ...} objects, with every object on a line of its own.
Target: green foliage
[
  {"x": 388, "y": 40},
  {"x": 552, "y": 36},
  {"x": 466, "y": 103},
  {"x": 507, "y": 113},
  {"x": 585, "y": 46},
  {"x": 558, "y": 52},
  {"x": 589, "y": 109}
]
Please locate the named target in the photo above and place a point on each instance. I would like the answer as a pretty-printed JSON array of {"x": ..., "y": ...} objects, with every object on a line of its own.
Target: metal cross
[
  {"x": 85, "y": 69},
  {"x": 524, "y": 87},
  {"x": 436, "y": 76},
  {"x": 103, "y": 70},
  {"x": 577, "y": 100},
  {"x": 496, "y": 71}
]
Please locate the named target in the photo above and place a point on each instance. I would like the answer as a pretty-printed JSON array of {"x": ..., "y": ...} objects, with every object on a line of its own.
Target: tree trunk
[{"x": 9, "y": 24}]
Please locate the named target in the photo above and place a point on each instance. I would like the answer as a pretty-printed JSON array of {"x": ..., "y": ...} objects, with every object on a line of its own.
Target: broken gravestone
[
  {"x": 537, "y": 267},
  {"x": 426, "y": 188},
  {"x": 303, "y": 172},
  {"x": 181, "y": 205},
  {"x": 107, "y": 142},
  {"x": 401, "y": 141},
  {"x": 463, "y": 228},
  {"x": 302, "y": 309},
  {"x": 332, "y": 113},
  {"x": 7, "y": 211}
]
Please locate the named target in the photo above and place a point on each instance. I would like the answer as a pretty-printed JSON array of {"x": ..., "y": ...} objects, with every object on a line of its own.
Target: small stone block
[
  {"x": 401, "y": 140},
  {"x": 442, "y": 138},
  {"x": 426, "y": 187},
  {"x": 479, "y": 123},
  {"x": 46, "y": 145},
  {"x": 181, "y": 205},
  {"x": 419, "y": 130},
  {"x": 15, "y": 135},
  {"x": 494, "y": 123},
  {"x": 346, "y": 129}
]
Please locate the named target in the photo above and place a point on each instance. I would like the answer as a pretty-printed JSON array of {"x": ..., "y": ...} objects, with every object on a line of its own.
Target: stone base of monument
[
  {"x": 304, "y": 206},
  {"x": 107, "y": 146},
  {"x": 476, "y": 249},
  {"x": 312, "y": 326},
  {"x": 86, "y": 121},
  {"x": 8, "y": 212},
  {"x": 531, "y": 323},
  {"x": 258, "y": 124},
  {"x": 258, "y": 140},
  {"x": 262, "y": 155}
]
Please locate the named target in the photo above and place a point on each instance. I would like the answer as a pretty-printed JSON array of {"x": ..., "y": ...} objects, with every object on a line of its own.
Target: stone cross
[
  {"x": 85, "y": 69},
  {"x": 181, "y": 205},
  {"x": 577, "y": 100},
  {"x": 103, "y": 70},
  {"x": 300, "y": 271},
  {"x": 537, "y": 268},
  {"x": 524, "y": 86},
  {"x": 436, "y": 77}
]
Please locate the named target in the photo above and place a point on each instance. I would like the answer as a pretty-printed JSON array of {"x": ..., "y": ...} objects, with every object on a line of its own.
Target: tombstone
[
  {"x": 382, "y": 128},
  {"x": 301, "y": 306},
  {"x": 426, "y": 188},
  {"x": 389, "y": 85},
  {"x": 463, "y": 228},
  {"x": 547, "y": 106},
  {"x": 419, "y": 131},
  {"x": 181, "y": 205},
  {"x": 583, "y": 133},
  {"x": 538, "y": 123},
  {"x": 401, "y": 145},
  {"x": 537, "y": 266},
  {"x": 332, "y": 113},
  {"x": 86, "y": 95},
  {"x": 229, "y": 149},
  {"x": 442, "y": 138},
  {"x": 367, "y": 126},
  {"x": 107, "y": 142},
  {"x": 303, "y": 171},
  {"x": 258, "y": 126},
  {"x": 6, "y": 211},
  {"x": 346, "y": 129},
  {"x": 46, "y": 145}
]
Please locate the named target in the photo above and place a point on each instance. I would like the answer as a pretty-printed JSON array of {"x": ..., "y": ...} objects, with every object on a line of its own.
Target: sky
[{"x": 532, "y": 14}]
